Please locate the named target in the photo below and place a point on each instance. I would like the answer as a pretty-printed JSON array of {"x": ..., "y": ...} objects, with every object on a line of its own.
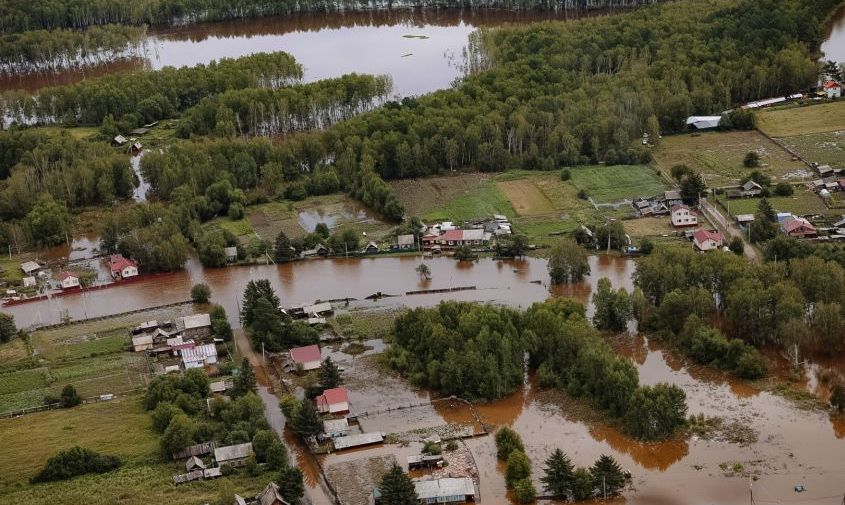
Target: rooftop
[
  {"x": 117, "y": 263},
  {"x": 442, "y": 488},
  {"x": 305, "y": 354},
  {"x": 333, "y": 396},
  {"x": 232, "y": 452}
]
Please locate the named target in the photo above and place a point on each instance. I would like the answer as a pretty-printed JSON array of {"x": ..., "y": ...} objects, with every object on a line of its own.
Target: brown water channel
[{"x": 423, "y": 50}]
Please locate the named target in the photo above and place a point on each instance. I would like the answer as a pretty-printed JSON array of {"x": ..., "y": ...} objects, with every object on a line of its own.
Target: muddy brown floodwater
[{"x": 423, "y": 50}]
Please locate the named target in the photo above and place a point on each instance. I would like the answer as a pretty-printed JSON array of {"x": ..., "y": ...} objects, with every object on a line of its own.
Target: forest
[
  {"x": 23, "y": 15},
  {"x": 138, "y": 97},
  {"x": 797, "y": 301},
  {"x": 43, "y": 50},
  {"x": 477, "y": 352}
]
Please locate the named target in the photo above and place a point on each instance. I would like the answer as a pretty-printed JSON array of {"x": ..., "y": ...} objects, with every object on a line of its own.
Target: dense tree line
[
  {"x": 51, "y": 50},
  {"x": 141, "y": 97},
  {"x": 770, "y": 303},
  {"x": 73, "y": 462},
  {"x": 21, "y": 15},
  {"x": 562, "y": 480},
  {"x": 262, "y": 111},
  {"x": 477, "y": 352},
  {"x": 581, "y": 92},
  {"x": 267, "y": 324},
  {"x": 76, "y": 172}
]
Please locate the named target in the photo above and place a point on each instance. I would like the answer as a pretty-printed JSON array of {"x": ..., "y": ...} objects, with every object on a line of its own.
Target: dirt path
[{"x": 728, "y": 227}]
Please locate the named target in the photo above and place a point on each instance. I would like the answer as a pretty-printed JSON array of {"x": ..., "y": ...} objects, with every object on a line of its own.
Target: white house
[
  {"x": 704, "y": 122},
  {"x": 707, "y": 240},
  {"x": 682, "y": 216},
  {"x": 199, "y": 356},
  {"x": 68, "y": 280},
  {"x": 122, "y": 268},
  {"x": 306, "y": 358},
  {"x": 333, "y": 401},
  {"x": 833, "y": 89}
]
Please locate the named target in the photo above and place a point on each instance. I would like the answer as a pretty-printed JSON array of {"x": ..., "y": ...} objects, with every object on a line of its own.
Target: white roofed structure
[{"x": 704, "y": 122}]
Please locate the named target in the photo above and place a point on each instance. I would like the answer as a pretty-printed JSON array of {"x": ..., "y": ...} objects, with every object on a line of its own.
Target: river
[
  {"x": 509, "y": 282},
  {"x": 422, "y": 50}
]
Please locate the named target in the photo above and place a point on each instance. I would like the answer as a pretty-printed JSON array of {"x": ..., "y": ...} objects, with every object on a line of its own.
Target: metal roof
[
  {"x": 195, "y": 321},
  {"x": 335, "y": 425},
  {"x": 199, "y": 352},
  {"x": 358, "y": 440},
  {"x": 232, "y": 452},
  {"x": 442, "y": 488}
]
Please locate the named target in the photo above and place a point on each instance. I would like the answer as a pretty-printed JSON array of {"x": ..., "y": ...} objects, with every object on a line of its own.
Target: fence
[
  {"x": 109, "y": 316},
  {"x": 53, "y": 406}
]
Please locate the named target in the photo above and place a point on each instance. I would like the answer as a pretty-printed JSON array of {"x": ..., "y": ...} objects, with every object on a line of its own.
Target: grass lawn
[
  {"x": 297, "y": 218},
  {"x": 240, "y": 228},
  {"x": 802, "y": 119},
  {"x": 620, "y": 182},
  {"x": 366, "y": 324},
  {"x": 649, "y": 227},
  {"x": 120, "y": 427},
  {"x": 822, "y": 148},
  {"x": 422, "y": 196},
  {"x": 803, "y": 202},
  {"x": 718, "y": 156},
  {"x": 483, "y": 200}
]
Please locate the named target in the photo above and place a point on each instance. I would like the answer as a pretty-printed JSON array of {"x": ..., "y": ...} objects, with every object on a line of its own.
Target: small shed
[
  {"x": 119, "y": 140},
  {"x": 30, "y": 267},
  {"x": 199, "y": 356},
  {"x": 28, "y": 282},
  {"x": 142, "y": 342},
  {"x": 194, "y": 463},
  {"x": 231, "y": 253},
  {"x": 233, "y": 455},
  {"x": 405, "y": 242},
  {"x": 333, "y": 428}
]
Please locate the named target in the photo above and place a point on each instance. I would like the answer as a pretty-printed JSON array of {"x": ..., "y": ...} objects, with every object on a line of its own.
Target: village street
[
  {"x": 318, "y": 494},
  {"x": 728, "y": 227}
]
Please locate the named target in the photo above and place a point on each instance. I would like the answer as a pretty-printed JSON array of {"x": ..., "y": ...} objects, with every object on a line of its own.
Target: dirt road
[{"x": 729, "y": 228}]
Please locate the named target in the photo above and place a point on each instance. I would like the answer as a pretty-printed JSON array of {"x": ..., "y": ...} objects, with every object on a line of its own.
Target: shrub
[
  {"x": 517, "y": 469},
  {"x": 200, "y": 293},
  {"x": 507, "y": 441},
  {"x": 784, "y": 189},
  {"x": 751, "y": 160},
  {"x": 565, "y": 174},
  {"x": 525, "y": 492},
  {"x": 73, "y": 462},
  {"x": 432, "y": 448},
  {"x": 737, "y": 246},
  {"x": 70, "y": 398}
]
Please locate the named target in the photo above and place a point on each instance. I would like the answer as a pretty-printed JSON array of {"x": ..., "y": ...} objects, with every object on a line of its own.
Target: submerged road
[{"x": 316, "y": 494}]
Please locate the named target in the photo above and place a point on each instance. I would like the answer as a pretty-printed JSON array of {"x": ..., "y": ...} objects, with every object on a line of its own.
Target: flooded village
[{"x": 377, "y": 254}]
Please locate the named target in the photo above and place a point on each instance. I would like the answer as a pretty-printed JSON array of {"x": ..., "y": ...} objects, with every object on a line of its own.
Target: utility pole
[{"x": 604, "y": 487}]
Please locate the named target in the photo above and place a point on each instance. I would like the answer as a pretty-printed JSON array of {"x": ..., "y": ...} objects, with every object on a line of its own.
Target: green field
[
  {"x": 119, "y": 427},
  {"x": 822, "y": 148},
  {"x": 620, "y": 182},
  {"x": 802, "y": 119},
  {"x": 484, "y": 200},
  {"x": 803, "y": 202},
  {"x": 718, "y": 156}
]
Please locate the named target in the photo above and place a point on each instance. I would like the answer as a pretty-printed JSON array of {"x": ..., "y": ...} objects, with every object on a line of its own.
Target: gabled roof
[
  {"x": 452, "y": 235},
  {"x": 405, "y": 240},
  {"x": 193, "y": 322},
  {"x": 832, "y": 84},
  {"x": 230, "y": 452},
  {"x": 194, "y": 462},
  {"x": 199, "y": 352},
  {"x": 117, "y": 263},
  {"x": 334, "y": 396},
  {"x": 701, "y": 236},
  {"x": 672, "y": 194},
  {"x": 305, "y": 354},
  {"x": 270, "y": 495},
  {"x": 67, "y": 275},
  {"x": 678, "y": 207},
  {"x": 444, "y": 488},
  {"x": 30, "y": 266},
  {"x": 748, "y": 186},
  {"x": 793, "y": 224}
]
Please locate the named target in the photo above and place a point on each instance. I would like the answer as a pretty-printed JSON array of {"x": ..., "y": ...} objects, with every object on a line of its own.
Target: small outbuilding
[
  {"x": 122, "y": 268},
  {"x": 142, "y": 342},
  {"x": 405, "y": 242},
  {"x": 195, "y": 326},
  {"x": 30, "y": 267},
  {"x": 233, "y": 455},
  {"x": 194, "y": 463},
  {"x": 198, "y": 356}
]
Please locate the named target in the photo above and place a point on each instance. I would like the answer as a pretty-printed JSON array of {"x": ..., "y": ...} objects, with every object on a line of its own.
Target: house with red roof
[
  {"x": 833, "y": 89},
  {"x": 683, "y": 216},
  {"x": 306, "y": 358},
  {"x": 122, "y": 268},
  {"x": 68, "y": 280},
  {"x": 333, "y": 401},
  {"x": 705, "y": 240},
  {"x": 798, "y": 227}
]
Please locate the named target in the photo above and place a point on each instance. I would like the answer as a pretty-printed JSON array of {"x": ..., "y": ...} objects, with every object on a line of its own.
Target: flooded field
[
  {"x": 517, "y": 282},
  {"x": 423, "y": 50}
]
